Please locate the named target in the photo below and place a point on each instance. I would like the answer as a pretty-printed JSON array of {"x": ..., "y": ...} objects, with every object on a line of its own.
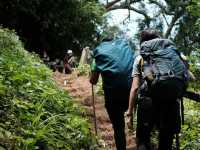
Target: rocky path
[{"x": 80, "y": 88}]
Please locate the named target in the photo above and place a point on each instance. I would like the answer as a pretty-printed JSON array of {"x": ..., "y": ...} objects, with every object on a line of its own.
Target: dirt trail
[{"x": 80, "y": 88}]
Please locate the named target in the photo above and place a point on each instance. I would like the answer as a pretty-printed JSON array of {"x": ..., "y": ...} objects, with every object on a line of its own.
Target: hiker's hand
[
  {"x": 94, "y": 77},
  {"x": 129, "y": 120}
]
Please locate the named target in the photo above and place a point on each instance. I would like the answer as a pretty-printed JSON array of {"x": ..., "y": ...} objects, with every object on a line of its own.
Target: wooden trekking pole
[
  {"x": 94, "y": 111},
  {"x": 182, "y": 111}
]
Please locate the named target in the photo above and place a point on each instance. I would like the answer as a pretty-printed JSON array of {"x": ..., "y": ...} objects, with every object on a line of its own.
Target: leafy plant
[
  {"x": 34, "y": 112},
  {"x": 190, "y": 132},
  {"x": 83, "y": 69}
]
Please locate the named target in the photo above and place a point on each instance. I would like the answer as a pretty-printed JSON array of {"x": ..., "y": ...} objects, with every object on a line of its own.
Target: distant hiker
[
  {"x": 69, "y": 61},
  {"x": 86, "y": 56},
  {"x": 114, "y": 60},
  {"x": 45, "y": 58},
  {"x": 58, "y": 65},
  {"x": 159, "y": 76}
]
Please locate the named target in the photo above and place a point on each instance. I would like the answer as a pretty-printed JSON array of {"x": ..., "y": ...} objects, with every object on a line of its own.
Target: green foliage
[
  {"x": 188, "y": 35},
  {"x": 110, "y": 31},
  {"x": 34, "y": 112},
  {"x": 188, "y": 31},
  {"x": 190, "y": 133},
  {"x": 194, "y": 7},
  {"x": 52, "y": 25},
  {"x": 195, "y": 69},
  {"x": 83, "y": 69},
  {"x": 99, "y": 87}
]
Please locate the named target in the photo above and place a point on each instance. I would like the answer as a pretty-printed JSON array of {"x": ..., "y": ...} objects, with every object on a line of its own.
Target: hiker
[
  {"x": 114, "y": 60},
  {"x": 57, "y": 65},
  {"x": 69, "y": 62},
  {"x": 45, "y": 58},
  {"x": 159, "y": 80}
]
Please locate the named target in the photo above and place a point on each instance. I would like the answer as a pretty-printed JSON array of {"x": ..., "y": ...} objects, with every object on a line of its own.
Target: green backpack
[{"x": 114, "y": 60}]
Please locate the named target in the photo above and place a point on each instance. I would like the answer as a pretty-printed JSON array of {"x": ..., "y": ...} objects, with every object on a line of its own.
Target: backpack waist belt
[{"x": 167, "y": 76}]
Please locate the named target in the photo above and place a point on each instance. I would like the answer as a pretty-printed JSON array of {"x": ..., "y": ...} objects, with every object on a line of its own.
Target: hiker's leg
[
  {"x": 116, "y": 103},
  {"x": 68, "y": 69},
  {"x": 165, "y": 140},
  {"x": 169, "y": 124},
  {"x": 118, "y": 123},
  {"x": 166, "y": 96},
  {"x": 144, "y": 124}
]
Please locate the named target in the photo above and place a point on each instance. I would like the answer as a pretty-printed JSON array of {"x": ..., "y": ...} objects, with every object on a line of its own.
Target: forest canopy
[
  {"x": 56, "y": 26},
  {"x": 52, "y": 25}
]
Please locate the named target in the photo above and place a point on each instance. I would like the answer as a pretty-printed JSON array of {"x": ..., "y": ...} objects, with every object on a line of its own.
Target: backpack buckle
[{"x": 171, "y": 74}]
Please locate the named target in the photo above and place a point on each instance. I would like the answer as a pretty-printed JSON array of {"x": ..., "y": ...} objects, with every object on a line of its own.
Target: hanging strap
[{"x": 177, "y": 142}]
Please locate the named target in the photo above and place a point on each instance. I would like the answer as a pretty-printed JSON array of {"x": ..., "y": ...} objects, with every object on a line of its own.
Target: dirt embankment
[{"x": 80, "y": 88}]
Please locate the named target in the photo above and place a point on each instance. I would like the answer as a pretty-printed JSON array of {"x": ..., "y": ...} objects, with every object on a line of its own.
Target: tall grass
[{"x": 34, "y": 112}]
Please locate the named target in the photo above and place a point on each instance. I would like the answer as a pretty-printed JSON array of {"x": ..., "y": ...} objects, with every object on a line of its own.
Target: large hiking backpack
[
  {"x": 162, "y": 61},
  {"x": 114, "y": 60}
]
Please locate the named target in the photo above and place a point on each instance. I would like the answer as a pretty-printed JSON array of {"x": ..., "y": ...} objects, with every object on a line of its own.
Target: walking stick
[
  {"x": 94, "y": 112},
  {"x": 182, "y": 111}
]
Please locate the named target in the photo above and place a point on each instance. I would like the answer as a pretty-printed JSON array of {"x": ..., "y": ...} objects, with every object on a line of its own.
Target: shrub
[
  {"x": 34, "y": 112},
  {"x": 83, "y": 69},
  {"x": 190, "y": 131}
]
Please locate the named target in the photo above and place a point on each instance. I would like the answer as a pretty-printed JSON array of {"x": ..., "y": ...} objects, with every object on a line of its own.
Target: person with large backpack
[
  {"x": 159, "y": 81},
  {"x": 114, "y": 61}
]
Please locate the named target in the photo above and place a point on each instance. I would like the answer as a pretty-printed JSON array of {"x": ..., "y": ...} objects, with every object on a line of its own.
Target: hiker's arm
[
  {"x": 136, "y": 74},
  {"x": 94, "y": 77},
  {"x": 133, "y": 95},
  {"x": 191, "y": 76}
]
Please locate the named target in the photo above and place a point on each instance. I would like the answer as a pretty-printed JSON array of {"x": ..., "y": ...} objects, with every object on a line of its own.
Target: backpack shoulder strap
[{"x": 141, "y": 63}]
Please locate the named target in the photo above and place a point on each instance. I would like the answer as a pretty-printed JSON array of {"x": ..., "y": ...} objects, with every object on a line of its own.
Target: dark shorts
[
  {"x": 164, "y": 116},
  {"x": 117, "y": 99},
  {"x": 161, "y": 109},
  {"x": 116, "y": 103}
]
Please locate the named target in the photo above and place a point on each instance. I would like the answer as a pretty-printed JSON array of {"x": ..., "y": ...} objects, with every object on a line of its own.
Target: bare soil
[{"x": 80, "y": 88}]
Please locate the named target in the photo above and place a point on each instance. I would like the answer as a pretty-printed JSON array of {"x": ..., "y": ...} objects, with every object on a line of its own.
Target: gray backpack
[{"x": 162, "y": 61}]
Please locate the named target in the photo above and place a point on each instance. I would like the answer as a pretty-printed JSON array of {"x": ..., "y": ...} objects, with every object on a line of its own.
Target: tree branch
[
  {"x": 165, "y": 19},
  {"x": 171, "y": 25},
  {"x": 110, "y": 4},
  {"x": 124, "y": 6},
  {"x": 162, "y": 7}
]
